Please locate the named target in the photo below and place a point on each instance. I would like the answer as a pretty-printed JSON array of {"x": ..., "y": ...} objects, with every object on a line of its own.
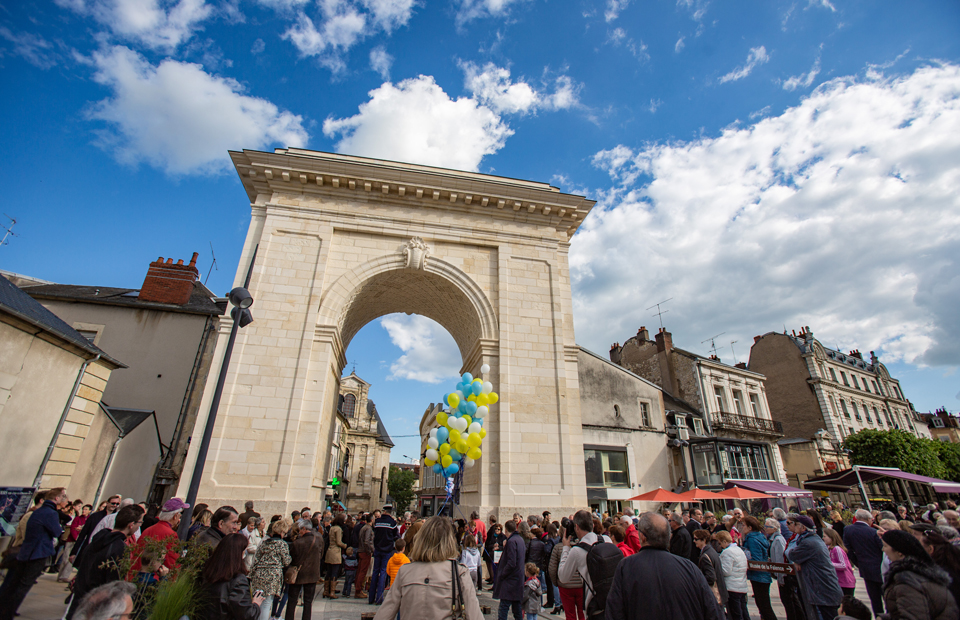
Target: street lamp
[{"x": 241, "y": 299}]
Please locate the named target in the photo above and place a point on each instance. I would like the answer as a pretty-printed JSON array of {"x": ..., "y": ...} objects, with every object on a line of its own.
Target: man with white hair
[
  {"x": 953, "y": 518},
  {"x": 164, "y": 529},
  {"x": 107, "y": 602},
  {"x": 865, "y": 550},
  {"x": 632, "y": 537}
]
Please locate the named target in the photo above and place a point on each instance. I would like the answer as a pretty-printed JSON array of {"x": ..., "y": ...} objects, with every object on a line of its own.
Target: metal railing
[{"x": 746, "y": 422}]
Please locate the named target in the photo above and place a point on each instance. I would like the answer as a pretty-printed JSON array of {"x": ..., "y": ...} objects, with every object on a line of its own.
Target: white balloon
[
  {"x": 460, "y": 394},
  {"x": 433, "y": 443},
  {"x": 433, "y": 432},
  {"x": 475, "y": 428},
  {"x": 461, "y": 424},
  {"x": 433, "y": 455},
  {"x": 485, "y": 368},
  {"x": 482, "y": 412},
  {"x": 468, "y": 462},
  {"x": 487, "y": 387}
]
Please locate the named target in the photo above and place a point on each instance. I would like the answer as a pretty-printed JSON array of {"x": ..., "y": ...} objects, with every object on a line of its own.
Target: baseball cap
[{"x": 174, "y": 504}]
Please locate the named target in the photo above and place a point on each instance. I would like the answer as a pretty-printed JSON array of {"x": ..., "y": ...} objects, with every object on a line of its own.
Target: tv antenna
[
  {"x": 660, "y": 312},
  {"x": 213, "y": 265},
  {"x": 9, "y": 230},
  {"x": 713, "y": 345},
  {"x": 733, "y": 342}
]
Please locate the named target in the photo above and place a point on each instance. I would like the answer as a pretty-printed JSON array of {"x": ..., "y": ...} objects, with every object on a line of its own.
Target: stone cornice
[{"x": 327, "y": 174}]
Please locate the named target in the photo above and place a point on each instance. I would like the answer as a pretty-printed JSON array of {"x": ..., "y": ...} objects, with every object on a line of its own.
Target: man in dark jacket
[
  {"x": 681, "y": 543},
  {"x": 654, "y": 583},
  {"x": 695, "y": 523},
  {"x": 112, "y": 505},
  {"x": 818, "y": 577},
  {"x": 865, "y": 550},
  {"x": 366, "y": 554},
  {"x": 99, "y": 562},
  {"x": 385, "y": 534},
  {"x": 508, "y": 586},
  {"x": 224, "y": 521},
  {"x": 42, "y": 529},
  {"x": 709, "y": 563}
]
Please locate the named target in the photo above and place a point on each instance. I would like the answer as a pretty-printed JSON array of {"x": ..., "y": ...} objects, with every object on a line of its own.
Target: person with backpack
[
  {"x": 654, "y": 583},
  {"x": 595, "y": 560}
]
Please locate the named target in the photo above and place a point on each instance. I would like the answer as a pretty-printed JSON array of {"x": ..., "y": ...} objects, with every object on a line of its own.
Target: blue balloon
[
  {"x": 467, "y": 378},
  {"x": 456, "y": 456},
  {"x": 463, "y": 406},
  {"x": 479, "y": 421},
  {"x": 471, "y": 408},
  {"x": 443, "y": 434},
  {"x": 437, "y": 468},
  {"x": 476, "y": 388},
  {"x": 452, "y": 470}
]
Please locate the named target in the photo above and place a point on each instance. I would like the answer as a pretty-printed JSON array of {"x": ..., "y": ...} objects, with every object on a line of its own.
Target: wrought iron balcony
[{"x": 734, "y": 421}]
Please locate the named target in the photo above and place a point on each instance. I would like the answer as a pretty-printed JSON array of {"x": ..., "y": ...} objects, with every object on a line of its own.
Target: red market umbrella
[
  {"x": 738, "y": 493},
  {"x": 660, "y": 495},
  {"x": 696, "y": 494}
]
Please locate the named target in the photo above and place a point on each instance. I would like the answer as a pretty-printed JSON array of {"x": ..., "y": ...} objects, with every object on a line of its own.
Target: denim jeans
[
  {"x": 266, "y": 607},
  {"x": 348, "y": 578},
  {"x": 505, "y": 607},
  {"x": 379, "y": 577}
]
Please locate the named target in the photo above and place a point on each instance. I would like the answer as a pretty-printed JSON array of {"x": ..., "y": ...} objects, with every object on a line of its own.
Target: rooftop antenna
[
  {"x": 9, "y": 230},
  {"x": 660, "y": 313},
  {"x": 733, "y": 342},
  {"x": 713, "y": 345},
  {"x": 213, "y": 265}
]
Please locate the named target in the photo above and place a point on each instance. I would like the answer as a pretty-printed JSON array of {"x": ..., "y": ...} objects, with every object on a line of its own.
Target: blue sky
[{"x": 765, "y": 164}]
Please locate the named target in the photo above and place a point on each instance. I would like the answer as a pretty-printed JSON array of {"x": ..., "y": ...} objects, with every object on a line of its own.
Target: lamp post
[{"x": 241, "y": 299}]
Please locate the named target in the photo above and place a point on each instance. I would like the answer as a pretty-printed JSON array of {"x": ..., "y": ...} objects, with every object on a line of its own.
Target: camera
[{"x": 567, "y": 525}]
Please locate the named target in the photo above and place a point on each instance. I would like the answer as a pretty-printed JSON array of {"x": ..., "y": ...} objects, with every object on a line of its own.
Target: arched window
[
  {"x": 616, "y": 410},
  {"x": 349, "y": 405}
]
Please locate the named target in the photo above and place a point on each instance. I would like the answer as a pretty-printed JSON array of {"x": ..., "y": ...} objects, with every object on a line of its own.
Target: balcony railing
[{"x": 746, "y": 423}]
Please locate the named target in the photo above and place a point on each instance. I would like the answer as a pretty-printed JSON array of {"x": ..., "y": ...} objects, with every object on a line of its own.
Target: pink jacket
[{"x": 844, "y": 570}]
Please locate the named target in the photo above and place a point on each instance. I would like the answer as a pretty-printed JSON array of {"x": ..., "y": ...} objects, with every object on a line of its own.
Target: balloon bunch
[{"x": 457, "y": 439}]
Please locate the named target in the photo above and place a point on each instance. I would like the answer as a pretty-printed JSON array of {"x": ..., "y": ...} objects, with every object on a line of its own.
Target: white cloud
[
  {"x": 613, "y": 9},
  {"x": 476, "y": 9},
  {"x": 31, "y": 47},
  {"x": 258, "y": 47},
  {"x": 430, "y": 354},
  {"x": 822, "y": 3},
  {"x": 381, "y": 61},
  {"x": 654, "y": 104},
  {"x": 618, "y": 37},
  {"x": 283, "y": 6},
  {"x": 157, "y": 24},
  {"x": 679, "y": 45},
  {"x": 804, "y": 79},
  {"x": 492, "y": 86},
  {"x": 842, "y": 213},
  {"x": 390, "y": 14},
  {"x": 179, "y": 118},
  {"x": 757, "y": 56},
  {"x": 416, "y": 121}
]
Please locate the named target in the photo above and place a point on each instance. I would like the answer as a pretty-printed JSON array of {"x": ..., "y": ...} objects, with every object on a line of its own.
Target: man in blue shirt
[
  {"x": 43, "y": 529},
  {"x": 385, "y": 533}
]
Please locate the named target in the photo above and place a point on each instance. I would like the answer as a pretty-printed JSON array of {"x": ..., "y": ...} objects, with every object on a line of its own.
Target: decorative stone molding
[{"x": 415, "y": 253}]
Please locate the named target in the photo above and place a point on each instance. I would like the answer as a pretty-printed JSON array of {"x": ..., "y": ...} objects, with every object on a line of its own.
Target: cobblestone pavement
[{"x": 46, "y": 602}]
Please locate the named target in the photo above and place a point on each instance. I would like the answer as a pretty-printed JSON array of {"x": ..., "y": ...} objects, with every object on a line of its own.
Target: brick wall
[{"x": 169, "y": 283}]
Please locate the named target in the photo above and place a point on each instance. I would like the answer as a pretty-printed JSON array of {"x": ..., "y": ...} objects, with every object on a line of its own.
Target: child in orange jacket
[{"x": 397, "y": 560}]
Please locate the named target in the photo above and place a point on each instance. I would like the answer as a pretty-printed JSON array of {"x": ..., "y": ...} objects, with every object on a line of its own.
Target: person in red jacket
[
  {"x": 164, "y": 529},
  {"x": 631, "y": 537},
  {"x": 619, "y": 538}
]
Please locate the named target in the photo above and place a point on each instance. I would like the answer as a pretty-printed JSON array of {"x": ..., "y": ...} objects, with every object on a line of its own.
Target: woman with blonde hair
[
  {"x": 841, "y": 563},
  {"x": 424, "y": 588}
]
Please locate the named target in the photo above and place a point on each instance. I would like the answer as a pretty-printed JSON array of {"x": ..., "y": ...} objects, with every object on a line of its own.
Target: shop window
[
  {"x": 706, "y": 469},
  {"x": 606, "y": 468}
]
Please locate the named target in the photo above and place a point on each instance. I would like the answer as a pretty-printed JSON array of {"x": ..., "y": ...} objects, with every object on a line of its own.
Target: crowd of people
[{"x": 669, "y": 564}]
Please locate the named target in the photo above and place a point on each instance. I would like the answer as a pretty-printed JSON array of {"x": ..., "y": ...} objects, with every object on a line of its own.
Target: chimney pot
[
  {"x": 169, "y": 283},
  {"x": 169, "y": 261},
  {"x": 756, "y": 339},
  {"x": 193, "y": 261},
  {"x": 180, "y": 262}
]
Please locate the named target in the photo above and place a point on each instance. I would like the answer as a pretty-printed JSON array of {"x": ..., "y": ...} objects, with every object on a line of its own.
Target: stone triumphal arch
[{"x": 341, "y": 241}]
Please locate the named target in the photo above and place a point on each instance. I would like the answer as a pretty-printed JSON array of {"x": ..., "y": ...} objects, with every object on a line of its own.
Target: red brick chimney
[{"x": 167, "y": 283}]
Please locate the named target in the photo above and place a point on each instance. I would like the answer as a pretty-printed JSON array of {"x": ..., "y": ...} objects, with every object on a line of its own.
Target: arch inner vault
[{"x": 341, "y": 241}]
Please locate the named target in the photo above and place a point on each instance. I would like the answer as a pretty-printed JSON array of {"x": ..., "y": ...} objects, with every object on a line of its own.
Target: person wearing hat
[
  {"x": 164, "y": 529},
  {"x": 915, "y": 587},
  {"x": 820, "y": 586}
]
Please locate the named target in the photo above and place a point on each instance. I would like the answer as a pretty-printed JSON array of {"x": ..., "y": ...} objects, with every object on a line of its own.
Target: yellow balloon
[
  {"x": 468, "y": 419},
  {"x": 442, "y": 418},
  {"x": 462, "y": 446},
  {"x": 472, "y": 397},
  {"x": 454, "y": 437},
  {"x": 444, "y": 449},
  {"x": 474, "y": 453},
  {"x": 482, "y": 400},
  {"x": 428, "y": 462},
  {"x": 477, "y": 381},
  {"x": 453, "y": 400},
  {"x": 493, "y": 397},
  {"x": 474, "y": 440},
  {"x": 483, "y": 433},
  {"x": 446, "y": 460}
]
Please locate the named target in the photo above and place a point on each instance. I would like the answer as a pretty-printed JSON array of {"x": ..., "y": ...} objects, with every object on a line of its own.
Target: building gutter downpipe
[{"x": 63, "y": 419}]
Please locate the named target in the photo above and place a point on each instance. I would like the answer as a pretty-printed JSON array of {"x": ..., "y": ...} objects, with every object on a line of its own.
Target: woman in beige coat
[
  {"x": 423, "y": 589},
  {"x": 334, "y": 557}
]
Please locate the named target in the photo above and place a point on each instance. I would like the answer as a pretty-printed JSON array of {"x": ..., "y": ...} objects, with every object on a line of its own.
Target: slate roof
[
  {"x": 381, "y": 429},
  {"x": 19, "y": 304},
  {"x": 201, "y": 300}
]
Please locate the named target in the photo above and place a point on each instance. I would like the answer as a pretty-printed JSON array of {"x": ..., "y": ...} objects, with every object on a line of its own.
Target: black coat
[
  {"x": 653, "y": 583},
  {"x": 865, "y": 550},
  {"x": 709, "y": 563},
  {"x": 230, "y": 600},
  {"x": 107, "y": 545},
  {"x": 681, "y": 542},
  {"x": 85, "y": 532},
  {"x": 509, "y": 583},
  {"x": 537, "y": 553}
]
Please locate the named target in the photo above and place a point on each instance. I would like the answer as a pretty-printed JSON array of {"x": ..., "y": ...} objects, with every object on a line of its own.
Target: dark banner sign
[{"x": 771, "y": 567}]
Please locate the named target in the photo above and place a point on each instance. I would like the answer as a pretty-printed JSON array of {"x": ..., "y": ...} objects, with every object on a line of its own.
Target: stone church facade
[{"x": 367, "y": 461}]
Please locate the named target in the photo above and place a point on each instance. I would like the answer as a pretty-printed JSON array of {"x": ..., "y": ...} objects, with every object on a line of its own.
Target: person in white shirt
[{"x": 733, "y": 563}]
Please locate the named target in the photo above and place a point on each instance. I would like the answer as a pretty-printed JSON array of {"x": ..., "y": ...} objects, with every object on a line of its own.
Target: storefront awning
[
  {"x": 769, "y": 487},
  {"x": 844, "y": 480}
]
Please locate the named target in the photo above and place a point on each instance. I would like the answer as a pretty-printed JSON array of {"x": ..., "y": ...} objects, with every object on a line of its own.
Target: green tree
[
  {"x": 949, "y": 454},
  {"x": 400, "y": 484},
  {"x": 895, "y": 448}
]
